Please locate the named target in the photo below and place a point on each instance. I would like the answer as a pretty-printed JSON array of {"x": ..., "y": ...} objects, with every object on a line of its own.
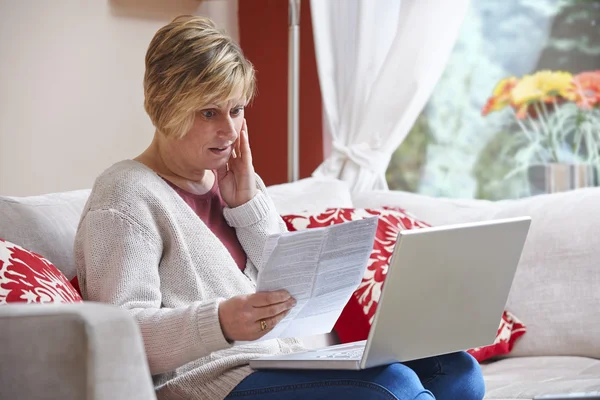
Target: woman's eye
[
  {"x": 208, "y": 113},
  {"x": 237, "y": 111}
]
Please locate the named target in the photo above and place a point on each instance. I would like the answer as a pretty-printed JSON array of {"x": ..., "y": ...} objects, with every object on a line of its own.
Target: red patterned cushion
[
  {"x": 356, "y": 318},
  {"x": 509, "y": 331},
  {"x": 30, "y": 278}
]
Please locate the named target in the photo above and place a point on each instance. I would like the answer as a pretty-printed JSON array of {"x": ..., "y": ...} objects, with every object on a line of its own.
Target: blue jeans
[{"x": 448, "y": 377}]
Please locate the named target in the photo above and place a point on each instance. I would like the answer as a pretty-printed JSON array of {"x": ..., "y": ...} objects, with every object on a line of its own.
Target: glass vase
[{"x": 560, "y": 177}]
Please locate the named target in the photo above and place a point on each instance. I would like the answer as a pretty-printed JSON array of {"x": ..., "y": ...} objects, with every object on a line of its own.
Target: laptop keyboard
[{"x": 344, "y": 355}]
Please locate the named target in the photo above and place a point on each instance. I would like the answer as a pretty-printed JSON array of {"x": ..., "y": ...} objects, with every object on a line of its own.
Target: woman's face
[{"x": 209, "y": 142}]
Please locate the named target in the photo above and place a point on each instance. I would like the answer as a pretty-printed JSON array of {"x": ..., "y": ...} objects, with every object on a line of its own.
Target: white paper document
[{"x": 321, "y": 268}]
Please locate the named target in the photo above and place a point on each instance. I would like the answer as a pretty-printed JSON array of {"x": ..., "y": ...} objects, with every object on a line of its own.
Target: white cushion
[
  {"x": 45, "y": 225},
  {"x": 310, "y": 194},
  {"x": 556, "y": 288},
  {"x": 433, "y": 210},
  {"x": 526, "y": 377},
  {"x": 556, "y": 291}
]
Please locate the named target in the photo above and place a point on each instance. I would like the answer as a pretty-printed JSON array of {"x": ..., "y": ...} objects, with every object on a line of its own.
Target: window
[{"x": 452, "y": 150}]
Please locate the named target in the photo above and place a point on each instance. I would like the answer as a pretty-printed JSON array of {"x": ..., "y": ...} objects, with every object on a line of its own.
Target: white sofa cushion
[
  {"x": 45, "y": 225},
  {"x": 433, "y": 210},
  {"x": 310, "y": 194},
  {"x": 526, "y": 377},
  {"x": 556, "y": 289}
]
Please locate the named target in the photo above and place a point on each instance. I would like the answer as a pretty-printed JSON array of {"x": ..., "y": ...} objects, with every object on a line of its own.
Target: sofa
[{"x": 95, "y": 351}]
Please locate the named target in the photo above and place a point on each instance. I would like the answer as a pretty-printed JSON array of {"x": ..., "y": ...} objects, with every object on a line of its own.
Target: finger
[
  {"x": 239, "y": 142},
  {"x": 236, "y": 144},
  {"x": 274, "y": 309},
  {"x": 272, "y": 322},
  {"x": 245, "y": 142},
  {"x": 221, "y": 172},
  {"x": 262, "y": 299},
  {"x": 235, "y": 154}
]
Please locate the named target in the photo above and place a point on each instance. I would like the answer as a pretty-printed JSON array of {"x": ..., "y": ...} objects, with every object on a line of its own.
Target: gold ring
[{"x": 263, "y": 325}]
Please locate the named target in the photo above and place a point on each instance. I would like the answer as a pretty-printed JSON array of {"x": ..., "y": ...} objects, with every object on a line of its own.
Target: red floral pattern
[
  {"x": 356, "y": 318},
  {"x": 509, "y": 331},
  {"x": 30, "y": 278}
]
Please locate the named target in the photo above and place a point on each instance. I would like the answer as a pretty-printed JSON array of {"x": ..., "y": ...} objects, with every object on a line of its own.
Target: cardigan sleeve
[
  {"x": 254, "y": 221},
  {"x": 118, "y": 263}
]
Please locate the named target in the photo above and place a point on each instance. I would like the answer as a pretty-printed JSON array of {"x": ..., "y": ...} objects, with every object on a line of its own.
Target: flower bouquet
[{"x": 558, "y": 114}]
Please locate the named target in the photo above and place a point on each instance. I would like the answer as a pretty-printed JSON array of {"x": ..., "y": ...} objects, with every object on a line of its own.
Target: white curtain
[{"x": 378, "y": 62}]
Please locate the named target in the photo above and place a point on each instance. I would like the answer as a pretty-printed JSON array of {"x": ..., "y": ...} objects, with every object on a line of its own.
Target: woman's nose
[{"x": 228, "y": 129}]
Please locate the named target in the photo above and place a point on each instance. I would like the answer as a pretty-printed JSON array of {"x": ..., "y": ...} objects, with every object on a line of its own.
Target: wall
[
  {"x": 263, "y": 28},
  {"x": 71, "y": 99}
]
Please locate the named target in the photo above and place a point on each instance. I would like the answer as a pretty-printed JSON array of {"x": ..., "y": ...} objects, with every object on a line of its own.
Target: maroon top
[{"x": 209, "y": 208}]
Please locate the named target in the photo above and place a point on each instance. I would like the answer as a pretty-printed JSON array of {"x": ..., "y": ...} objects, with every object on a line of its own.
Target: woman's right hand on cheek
[{"x": 244, "y": 317}]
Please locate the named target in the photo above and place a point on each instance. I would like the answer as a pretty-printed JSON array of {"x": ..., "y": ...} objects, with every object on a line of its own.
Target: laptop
[{"x": 445, "y": 291}]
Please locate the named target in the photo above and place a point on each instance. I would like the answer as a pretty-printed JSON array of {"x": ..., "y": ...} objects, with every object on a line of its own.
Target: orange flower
[
  {"x": 500, "y": 96},
  {"x": 586, "y": 93}
]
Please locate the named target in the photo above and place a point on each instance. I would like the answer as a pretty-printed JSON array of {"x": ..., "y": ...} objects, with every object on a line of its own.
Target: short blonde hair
[{"x": 189, "y": 64}]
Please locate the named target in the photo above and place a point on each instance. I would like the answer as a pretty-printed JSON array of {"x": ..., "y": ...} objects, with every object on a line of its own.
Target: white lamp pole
[{"x": 293, "y": 89}]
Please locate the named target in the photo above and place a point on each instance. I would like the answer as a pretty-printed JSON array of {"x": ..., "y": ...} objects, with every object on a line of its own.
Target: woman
[{"x": 175, "y": 237}]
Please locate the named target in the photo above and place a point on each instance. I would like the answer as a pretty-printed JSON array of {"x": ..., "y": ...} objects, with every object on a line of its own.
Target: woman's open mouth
[{"x": 220, "y": 150}]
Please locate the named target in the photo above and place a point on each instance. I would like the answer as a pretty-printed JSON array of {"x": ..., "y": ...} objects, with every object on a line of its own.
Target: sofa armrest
[{"x": 71, "y": 351}]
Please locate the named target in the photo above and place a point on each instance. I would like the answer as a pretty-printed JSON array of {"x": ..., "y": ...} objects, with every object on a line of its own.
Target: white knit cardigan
[{"x": 140, "y": 247}]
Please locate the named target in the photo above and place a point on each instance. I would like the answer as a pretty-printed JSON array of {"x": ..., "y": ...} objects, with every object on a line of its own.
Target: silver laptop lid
[{"x": 445, "y": 290}]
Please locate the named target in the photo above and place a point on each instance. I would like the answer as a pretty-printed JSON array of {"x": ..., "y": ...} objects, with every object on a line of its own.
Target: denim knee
[
  {"x": 371, "y": 392},
  {"x": 424, "y": 396},
  {"x": 470, "y": 376},
  {"x": 402, "y": 382}
]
